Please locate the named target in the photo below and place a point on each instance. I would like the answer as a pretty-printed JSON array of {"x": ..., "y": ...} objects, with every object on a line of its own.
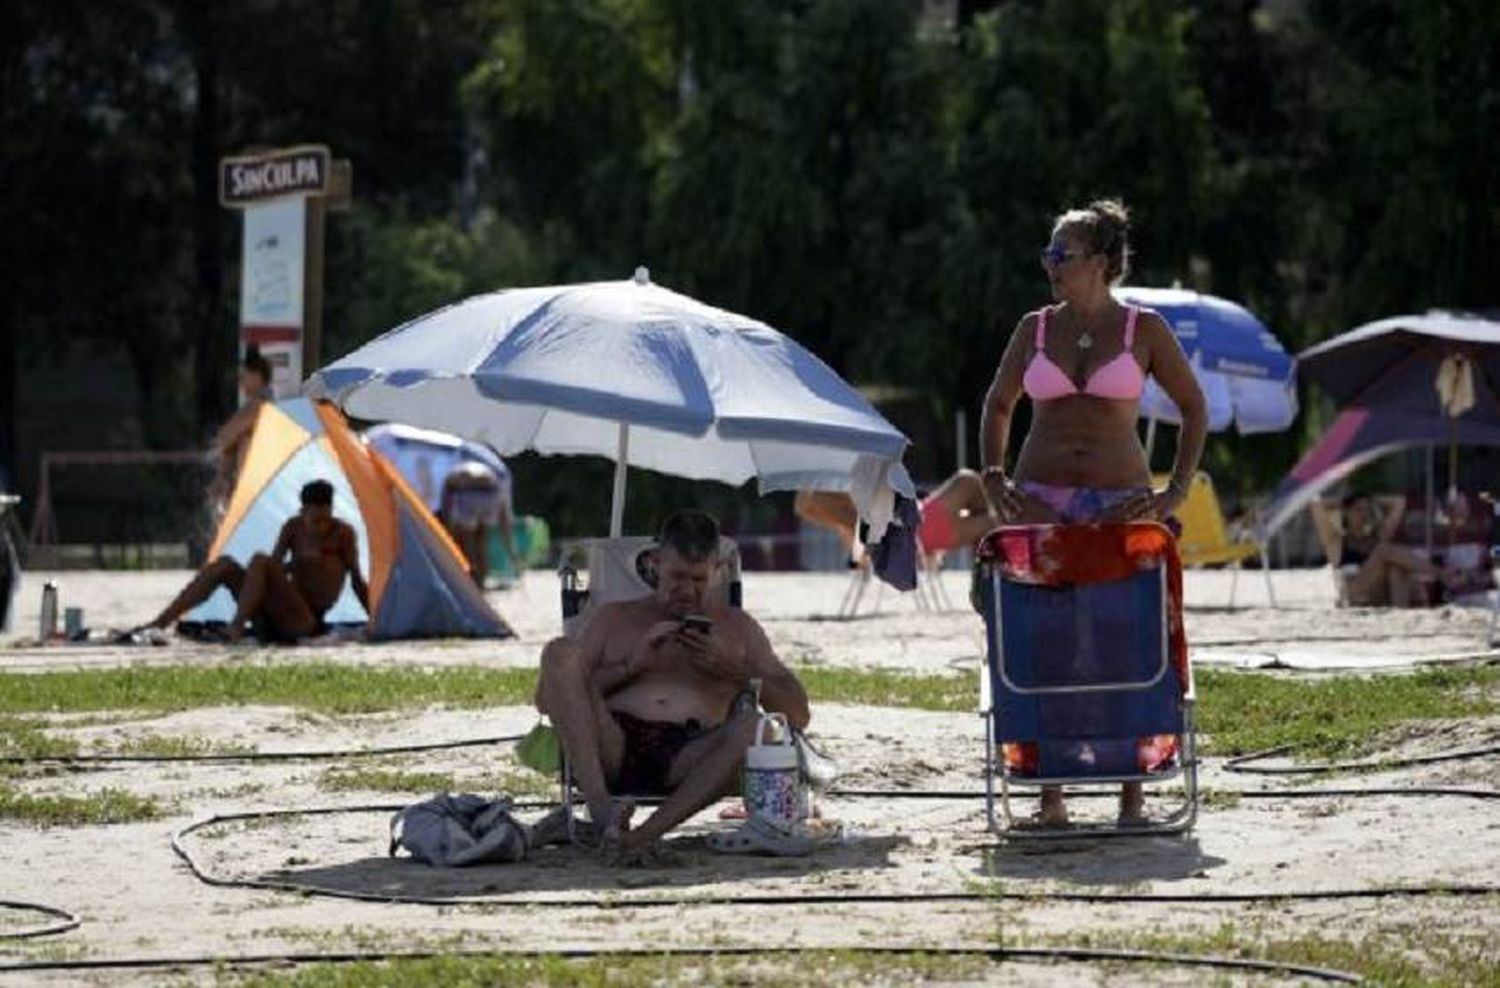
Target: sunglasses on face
[{"x": 1056, "y": 255}]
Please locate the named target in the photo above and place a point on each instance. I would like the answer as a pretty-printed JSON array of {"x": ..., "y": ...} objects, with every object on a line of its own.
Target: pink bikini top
[{"x": 1120, "y": 379}]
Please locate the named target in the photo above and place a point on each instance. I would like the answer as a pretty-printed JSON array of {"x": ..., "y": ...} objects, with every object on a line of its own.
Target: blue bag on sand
[{"x": 450, "y": 831}]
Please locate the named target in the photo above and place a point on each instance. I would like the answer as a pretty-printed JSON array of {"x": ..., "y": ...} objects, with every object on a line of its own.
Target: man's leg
[
  {"x": 480, "y": 560},
  {"x": 252, "y": 594},
  {"x": 283, "y": 607},
  {"x": 589, "y": 734},
  {"x": 222, "y": 572},
  {"x": 703, "y": 771}
]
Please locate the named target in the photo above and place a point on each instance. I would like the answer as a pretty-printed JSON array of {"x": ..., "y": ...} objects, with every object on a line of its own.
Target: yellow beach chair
[{"x": 1206, "y": 539}]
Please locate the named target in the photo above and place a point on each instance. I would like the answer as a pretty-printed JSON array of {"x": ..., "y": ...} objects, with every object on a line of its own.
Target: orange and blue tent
[{"x": 419, "y": 581}]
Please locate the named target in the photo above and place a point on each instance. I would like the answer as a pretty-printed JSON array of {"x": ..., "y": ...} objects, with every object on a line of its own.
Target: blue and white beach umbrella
[
  {"x": 1250, "y": 381},
  {"x": 633, "y": 372}
]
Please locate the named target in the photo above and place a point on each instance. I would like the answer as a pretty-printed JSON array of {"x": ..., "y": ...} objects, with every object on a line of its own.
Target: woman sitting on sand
[
  {"x": 1374, "y": 571},
  {"x": 1083, "y": 363}
]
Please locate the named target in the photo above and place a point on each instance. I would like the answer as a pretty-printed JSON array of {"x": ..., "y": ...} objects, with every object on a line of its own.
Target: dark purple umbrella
[{"x": 1407, "y": 381}]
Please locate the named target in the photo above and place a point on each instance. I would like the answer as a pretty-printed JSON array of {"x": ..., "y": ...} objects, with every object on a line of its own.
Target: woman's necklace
[{"x": 1085, "y": 340}]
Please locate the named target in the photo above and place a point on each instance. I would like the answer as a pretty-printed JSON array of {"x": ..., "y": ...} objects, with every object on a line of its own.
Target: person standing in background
[
  {"x": 233, "y": 438},
  {"x": 475, "y": 497}
]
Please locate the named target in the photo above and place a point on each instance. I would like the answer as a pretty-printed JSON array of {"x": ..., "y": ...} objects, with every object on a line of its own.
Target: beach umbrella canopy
[
  {"x": 1247, "y": 376},
  {"x": 1407, "y": 381},
  {"x": 631, "y": 371}
]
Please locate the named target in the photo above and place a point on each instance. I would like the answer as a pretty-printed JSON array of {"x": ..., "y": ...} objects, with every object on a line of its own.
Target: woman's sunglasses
[{"x": 1056, "y": 255}]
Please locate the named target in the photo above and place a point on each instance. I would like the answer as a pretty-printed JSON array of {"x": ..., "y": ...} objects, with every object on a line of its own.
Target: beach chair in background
[
  {"x": 1086, "y": 677},
  {"x": 1207, "y": 540},
  {"x": 595, "y": 572},
  {"x": 930, "y": 593}
]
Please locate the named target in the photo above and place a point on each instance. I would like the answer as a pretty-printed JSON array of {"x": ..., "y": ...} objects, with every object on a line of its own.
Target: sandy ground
[{"x": 137, "y": 900}]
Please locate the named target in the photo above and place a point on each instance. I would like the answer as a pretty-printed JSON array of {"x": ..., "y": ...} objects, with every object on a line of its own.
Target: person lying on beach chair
[
  {"x": 284, "y": 598},
  {"x": 835, "y": 511},
  {"x": 1373, "y": 571},
  {"x": 654, "y": 698}
]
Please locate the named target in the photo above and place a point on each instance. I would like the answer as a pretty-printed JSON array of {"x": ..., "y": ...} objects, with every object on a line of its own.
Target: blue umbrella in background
[{"x": 1249, "y": 379}]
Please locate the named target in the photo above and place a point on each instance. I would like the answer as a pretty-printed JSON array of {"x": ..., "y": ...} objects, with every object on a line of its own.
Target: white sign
[
  {"x": 271, "y": 288},
  {"x": 271, "y": 278},
  {"x": 286, "y": 367}
]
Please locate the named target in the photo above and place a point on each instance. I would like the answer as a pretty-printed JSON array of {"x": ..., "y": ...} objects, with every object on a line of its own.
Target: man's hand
[
  {"x": 659, "y": 637},
  {"x": 713, "y": 656}
]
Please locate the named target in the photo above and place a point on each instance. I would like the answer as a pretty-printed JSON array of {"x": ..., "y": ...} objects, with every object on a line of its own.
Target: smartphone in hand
[{"x": 698, "y": 623}]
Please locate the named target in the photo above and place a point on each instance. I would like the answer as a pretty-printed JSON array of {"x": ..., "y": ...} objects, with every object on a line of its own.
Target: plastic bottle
[{"x": 48, "y": 629}]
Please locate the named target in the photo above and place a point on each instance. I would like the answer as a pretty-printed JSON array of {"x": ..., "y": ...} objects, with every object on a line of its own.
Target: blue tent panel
[
  {"x": 428, "y": 594},
  {"x": 279, "y": 500}
]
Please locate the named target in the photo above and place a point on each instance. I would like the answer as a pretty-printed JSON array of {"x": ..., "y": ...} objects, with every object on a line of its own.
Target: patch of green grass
[
  {"x": 1238, "y": 712},
  {"x": 103, "y": 806},
  {"x": 1414, "y": 956},
  {"x": 173, "y": 745},
  {"x": 1333, "y": 716},
  {"x": 370, "y": 779},
  {"x": 27, "y": 737},
  {"x": 891, "y": 688},
  {"x": 325, "y": 687},
  {"x": 628, "y": 971}
]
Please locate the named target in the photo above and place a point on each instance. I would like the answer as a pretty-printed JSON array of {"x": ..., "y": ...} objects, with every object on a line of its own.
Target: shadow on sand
[
  {"x": 1100, "y": 861},
  {"x": 688, "y": 864}
]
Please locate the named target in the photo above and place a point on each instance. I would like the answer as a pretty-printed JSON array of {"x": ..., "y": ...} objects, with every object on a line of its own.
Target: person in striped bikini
[{"x": 1083, "y": 363}]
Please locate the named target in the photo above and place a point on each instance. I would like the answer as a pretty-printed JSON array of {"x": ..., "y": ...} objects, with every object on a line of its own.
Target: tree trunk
[{"x": 215, "y": 349}]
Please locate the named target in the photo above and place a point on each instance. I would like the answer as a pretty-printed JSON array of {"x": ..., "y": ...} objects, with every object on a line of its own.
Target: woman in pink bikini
[{"x": 1083, "y": 363}]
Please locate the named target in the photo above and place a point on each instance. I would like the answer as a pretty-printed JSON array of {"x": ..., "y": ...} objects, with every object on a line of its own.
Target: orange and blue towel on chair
[{"x": 1069, "y": 608}]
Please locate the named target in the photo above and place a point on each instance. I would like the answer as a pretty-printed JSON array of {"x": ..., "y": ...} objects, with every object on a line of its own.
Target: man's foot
[
  {"x": 553, "y": 827},
  {"x": 612, "y": 836}
]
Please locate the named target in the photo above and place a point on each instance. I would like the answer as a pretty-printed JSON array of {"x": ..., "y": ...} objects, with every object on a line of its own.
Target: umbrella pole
[
  {"x": 1431, "y": 483},
  {"x": 617, "y": 499}
]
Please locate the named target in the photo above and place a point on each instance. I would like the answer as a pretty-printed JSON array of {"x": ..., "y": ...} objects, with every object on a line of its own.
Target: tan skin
[
  {"x": 233, "y": 438},
  {"x": 473, "y": 541},
  {"x": 289, "y": 594},
  {"x": 637, "y": 658},
  {"x": 1390, "y": 575},
  {"x": 1081, "y": 440}
]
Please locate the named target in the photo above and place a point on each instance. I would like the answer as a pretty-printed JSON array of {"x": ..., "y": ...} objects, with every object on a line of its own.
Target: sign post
[{"x": 285, "y": 195}]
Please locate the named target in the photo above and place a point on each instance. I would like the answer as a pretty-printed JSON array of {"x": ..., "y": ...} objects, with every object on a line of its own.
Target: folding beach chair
[
  {"x": 623, "y": 569},
  {"x": 1087, "y": 678},
  {"x": 1207, "y": 540},
  {"x": 930, "y": 593}
]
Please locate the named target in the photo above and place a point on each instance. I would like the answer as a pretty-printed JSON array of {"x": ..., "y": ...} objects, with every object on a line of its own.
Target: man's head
[
  {"x": 687, "y": 558},
  {"x": 317, "y": 505},
  {"x": 255, "y": 373}
]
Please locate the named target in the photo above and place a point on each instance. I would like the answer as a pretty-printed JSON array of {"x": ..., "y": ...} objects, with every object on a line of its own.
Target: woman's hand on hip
[{"x": 1147, "y": 506}]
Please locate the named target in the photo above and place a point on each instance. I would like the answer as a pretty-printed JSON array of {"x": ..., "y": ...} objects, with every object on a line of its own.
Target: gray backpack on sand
[{"x": 453, "y": 830}]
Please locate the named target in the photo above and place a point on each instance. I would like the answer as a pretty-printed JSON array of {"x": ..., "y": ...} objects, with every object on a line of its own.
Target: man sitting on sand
[
  {"x": 653, "y": 699},
  {"x": 284, "y": 602}
]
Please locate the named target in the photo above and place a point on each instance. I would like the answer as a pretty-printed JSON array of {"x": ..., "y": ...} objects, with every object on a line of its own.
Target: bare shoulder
[
  {"x": 1150, "y": 325},
  {"x": 741, "y": 621}
]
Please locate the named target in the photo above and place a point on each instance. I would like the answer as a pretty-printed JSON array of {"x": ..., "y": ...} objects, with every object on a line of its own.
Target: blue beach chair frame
[{"x": 1141, "y": 696}]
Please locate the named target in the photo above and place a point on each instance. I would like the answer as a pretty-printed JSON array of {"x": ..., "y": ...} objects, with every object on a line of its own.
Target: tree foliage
[{"x": 871, "y": 180}]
